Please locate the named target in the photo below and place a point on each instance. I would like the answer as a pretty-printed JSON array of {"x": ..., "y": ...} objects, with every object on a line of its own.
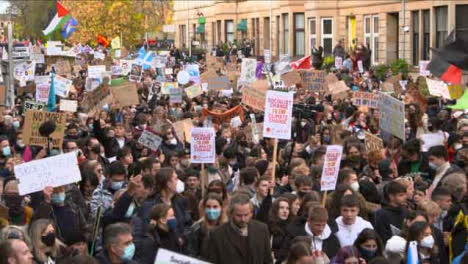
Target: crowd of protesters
[{"x": 132, "y": 201}]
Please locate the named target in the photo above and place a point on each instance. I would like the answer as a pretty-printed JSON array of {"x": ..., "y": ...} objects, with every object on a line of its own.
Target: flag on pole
[
  {"x": 412, "y": 256},
  {"x": 103, "y": 40},
  {"x": 59, "y": 19},
  {"x": 69, "y": 28},
  {"x": 144, "y": 58},
  {"x": 444, "y": 70},
  {"x": 51, "y": 102},
  {"x": 303, "y": 63},
  {"x": 115, "y": 43}
]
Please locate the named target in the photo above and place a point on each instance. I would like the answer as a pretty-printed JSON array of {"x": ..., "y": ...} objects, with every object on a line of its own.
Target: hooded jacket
[{"x": 348, "y": 233}]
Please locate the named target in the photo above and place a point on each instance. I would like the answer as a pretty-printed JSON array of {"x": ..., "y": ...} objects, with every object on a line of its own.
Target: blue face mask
[
  {"x": 130, "y": 210},
  {"x": 212, "y": 214},
  {"x": 116, "y": 185},
  {"x": 368, "y": 253},
  {"x": 91, "y": 127},
  {"x": 172, "y": 223},
  {"x": 58, "y": 198},
  {"x": 128, "y": 253},
  {"x": 6, "y": 151},
  {"x": 16, "y": 124}
]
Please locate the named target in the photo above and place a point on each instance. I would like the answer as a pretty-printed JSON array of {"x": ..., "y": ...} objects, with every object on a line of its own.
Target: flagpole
[{"x": 121, "y": 40}]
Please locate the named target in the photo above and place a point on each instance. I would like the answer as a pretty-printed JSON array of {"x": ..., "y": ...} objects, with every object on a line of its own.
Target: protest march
[{"x": 115, "y": 154}]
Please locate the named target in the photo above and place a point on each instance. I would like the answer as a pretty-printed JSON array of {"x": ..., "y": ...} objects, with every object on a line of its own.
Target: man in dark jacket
[
  {"x": 118, "y": 243},
  {"x": 112, "y": 142},
  {"x": 389, "y": 219},
  {"x": 241, "y": 240},
  {"x": 413, "y": 161},
  {"x": 323, "y": 238}
]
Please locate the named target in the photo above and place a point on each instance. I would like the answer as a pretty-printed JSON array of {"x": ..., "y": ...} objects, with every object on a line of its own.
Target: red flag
[
  {"x": 303, "y": 63},
  {"x": 61, "y": 11},
  {"x": 444, "y": 70},
  {"x": 103, "y": 40}
]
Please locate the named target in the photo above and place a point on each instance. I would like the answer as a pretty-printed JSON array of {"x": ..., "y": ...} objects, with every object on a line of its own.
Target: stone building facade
[{"x": 392, "y": 28}]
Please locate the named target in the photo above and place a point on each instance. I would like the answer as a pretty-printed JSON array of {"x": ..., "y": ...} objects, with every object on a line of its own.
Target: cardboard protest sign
[
  {"x": 254, "y": 94},
  {"x": 392, "y": 116},
  {"x": 291, "y": 78},
  {"x": 125, "y": 95},
  {"x": 34, "y": 120},
  {"x": 336, "y": 130},
  {"x": 202, "y": 147},
  {"x": 167, "y": 86},
  {"x": 423, "y": 68},
  {"x": 93, "y": 101},
  {"x": 248, "y": 68},
  {"x": 175, "y": 96},
  {"x": 231, "y": 66},
  {"x": 338, "y": 90},
  {"x": 438, "y": 88},
  {"x": 313, "y": 80},
  {"x": 331, "y": 167},
  {"x": 372, "y": 142},
  {"x": 209, "y": 74},
  {"x": 42, "y": 88},
  {"x": 330, "y": 78},
  {"x": 29, "y": 88},
  {"x": 278, "y": 115},
  {"x": 68, "y": 105},
  {"x": 159, "y": 125},
  {"x": 370, "y": 100},
  {"x": 193, "y": 91},
  {"x": 165, "y": 256},
  {"x": 395, "y": 81},
  {"x": 135, "y": 73},
  {"x": 54, "y": 171},
  {"x": 31, "y": 105},
  {"x": 62, "y": 86},
  {"x": 150, "y": 140},
  {"x": 62, "y": 67},
  {"x": 338, "y": 62},
  {"x": 225, "y": 116},
  {"x": 218, "y": 83},
  {"x": 254, "y": 132}
]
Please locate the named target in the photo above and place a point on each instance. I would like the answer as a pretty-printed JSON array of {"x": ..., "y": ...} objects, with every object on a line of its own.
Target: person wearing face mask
[
  {"x": 161, "y": 234},
  {"x": 6, "y": 150},
  {"x": 67, "y": 218},
  {"x": 119, "y": 245},
  {"x": 213, "y": 216},
  {"x": 438, "y": 161},
  {"x": 369, "y": 245},
  {"x": 18, "y": 213},
  {"x": 46, "y": 247},
  {"x": 428, "y": 252},
  {"x": 354, "y": 159}
]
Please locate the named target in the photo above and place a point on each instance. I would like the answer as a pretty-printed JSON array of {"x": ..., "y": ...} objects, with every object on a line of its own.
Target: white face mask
[
  {"x": 457, "y": 146},
  {"x": 173, "y": 141},
  {"x": 355, "y": 186},
  {"x": 180, "y": 187},
  {"x": 427, "y": 242},
  {"x": 433, "y": 166}
]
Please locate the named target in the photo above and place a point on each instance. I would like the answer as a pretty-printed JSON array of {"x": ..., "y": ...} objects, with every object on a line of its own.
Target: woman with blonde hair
[
  {"x": 45, "y": 244},
  {"x": 14, "y": 232}
]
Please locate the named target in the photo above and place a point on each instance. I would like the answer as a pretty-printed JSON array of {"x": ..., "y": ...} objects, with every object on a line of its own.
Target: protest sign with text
[
  {"x": 150, "y": 140},
  {"x": 62, "y": 86},
  {"x": 392, "y": 115},
  {"x": 372, "y": 142},
  {"x": 54, "y": 171},
  {"x": 438, "y": 88},
  {"x": 313, "y": 80},
  {"x": 42, "y": 88},
  {"x": 68, "y": 105},
  {"x": 34, "y": 119},
  {"x": 125, "y": 95},
  {"x": 331, "y": 167},
  {"x": 202, "y": 147},
  {"x": 165, "y": 256},
  {"x": 254, "y": 94},
  {"x": 370, "y": 100},
  {"x": 248, "y": 68},
  {"x": 193, "y": 91},
  {"x": 278, "y": 115}
]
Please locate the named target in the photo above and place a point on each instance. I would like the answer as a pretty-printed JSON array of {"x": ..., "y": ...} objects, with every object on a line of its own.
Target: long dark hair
[
  {"x": 277, "y": 225},
  {"x": 369, "y": 234},
  {"x": 162, "y": 177}
]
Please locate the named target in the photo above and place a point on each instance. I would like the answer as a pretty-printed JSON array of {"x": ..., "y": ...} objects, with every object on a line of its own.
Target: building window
[
  {"x": 461, "y": 18},
  {"x": 441, "y": 25},
  {"x": 213, "y": 34},
  {"x": 229, "y": 24},
  {"x": 327, "y": 35},
  {"x": 415, "y": 26},
  {"x": 312, "y": 33},
  {"x": 426, "y": 20},
  {"x": 182, "y": 35},
  {"x": 299, "y": 34},
  {"x": 285, "y": 34},
  {"x": 371, "y": 35},
  {"x": 218, "y": 31},
  {"x": 257, "y": 39},
  {"x": 277, "y": 36}
]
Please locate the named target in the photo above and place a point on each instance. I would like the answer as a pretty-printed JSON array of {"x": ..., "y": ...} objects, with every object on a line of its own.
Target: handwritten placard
[
  {"x": 193, "y": 91},
  {"x": 34, "y": 119},
  {"x": 423, "y": 68},
  {"x": 175, "y": 96},
  {"x": 150, "y": 140},
  {"x": 54, "y": 171},
  {"x": 68, "y": 105},
  {"x": 313, "y": 80},
  {"x": 438, "y": 88},
  {"x": 202, "y": 147},
  {"x": 42, "y": 88},
  {"x": 62, "y": 86},
  {"x": 218, "y": 83},
  {"x": 331, "y": 167},
  {"x": 165, "y": 256},
  {"x": 278, "y": 115},
  {"x": 254, "y": 94},
  {"x": 167, "y": 86},
  {"x": 31, "y": 105},
  {"x": 370, "y": 100},
  {"x": 291, "y": 78},
  {"x": 372, "y": 142},
  {"x": 125, "y": 95},
  {"x": 392, "y": 115},
  {"x": 248, "y": 68}
]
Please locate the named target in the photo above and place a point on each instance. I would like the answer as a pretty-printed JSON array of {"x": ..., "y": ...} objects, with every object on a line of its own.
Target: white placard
[
  {"x": 360, "y": 66},
  {"x": 165, "y": 256},
  {"x": 95, "y": 71},
  {"x": 267, "y": 55},
  {"x": 392, "y": 115},
  {"x": 236, "y": 121},
  {"x": 423, "y": 68},
  {"x": 68, "y": 105},
  {"x": 248, "y": 68},
  {"x": 202, "y": 147},
  {"x": 331, "y": 167},
  {"x": 278, "y": 115},
  {"x": 150, "y": 140},
  {"x": 42, "y": 88},
  {"x": 99, "y": 55},
  {"x": 168, "y": 71},
  {"x": 54, "y": 171},
  {"x": 438, "y": 88},
  {"x": 338, "y": 62},
  {"x": 126, "y": 66},
  {"x": 62, "y": 86},
  {"x": 116, "y": 70}
]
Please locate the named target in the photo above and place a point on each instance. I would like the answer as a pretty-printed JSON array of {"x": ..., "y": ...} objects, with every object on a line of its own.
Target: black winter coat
[
  {"x": 156, "y": 238},
  {"x": 388, "y": 216}
]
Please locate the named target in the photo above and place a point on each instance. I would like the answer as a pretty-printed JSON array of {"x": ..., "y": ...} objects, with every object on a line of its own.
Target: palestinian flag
[
  {"x": 59, "y": 19},
  {"x": 444, "y": 70},
  {"x": 103, "y": 40}
]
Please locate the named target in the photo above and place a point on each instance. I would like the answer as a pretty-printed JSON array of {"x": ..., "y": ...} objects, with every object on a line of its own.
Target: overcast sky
[{"x": 3, "y": 6}]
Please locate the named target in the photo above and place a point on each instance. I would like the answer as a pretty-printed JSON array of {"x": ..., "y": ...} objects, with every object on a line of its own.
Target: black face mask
[
  {"x": 14, "y": 202},
  {"x": 49, "y": 239}
]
